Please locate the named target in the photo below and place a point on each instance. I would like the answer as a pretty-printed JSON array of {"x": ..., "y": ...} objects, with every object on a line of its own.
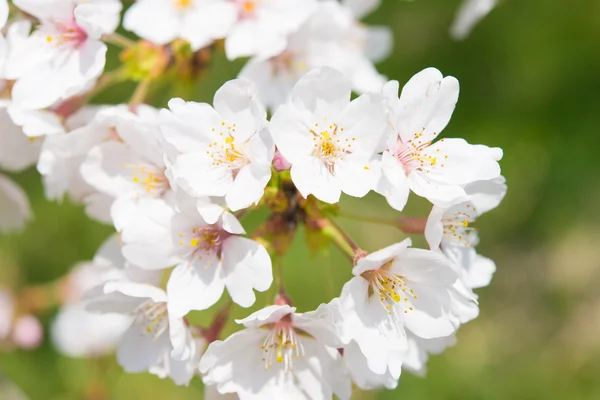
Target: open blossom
[
  {"x": 452, "y": 230},
  {"x": 395, "y": 289},
  {"x": 65, "y": 53},
  {"x": 331, "y": 142},
  {"x": 212, "y": 258},
  {"x": 226, "y": 150},
  {"x": 156, "y": 341},
  {"x": 77, "y": 332},
  {"x": 261, "y": 27},
  {"x": 331, "y": 37},
  {"x": 62, "y": 155},
  {"x": 412, "y": 162},
  {"x": 280, "y": 355},
  {"x": 197, "y": 21},
  {"x": 129, "y": 167}
]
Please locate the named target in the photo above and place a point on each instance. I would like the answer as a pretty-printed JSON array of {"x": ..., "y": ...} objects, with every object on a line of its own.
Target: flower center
[
  {"x": 288, "y": 63},
  {"x": 414, "y": 155},
  {"x": 149, "y": 177},
  {"x": 62, "y": 33},
  {"x": 282, "y": 345},
  {"x": 391, "y": 288},
  {"x": 458, "y": 225},
  {"x": 152, "y": 316},
  {"x": 330, "y": 144},
  {"x": 247, "y": 8},
  {"x": 183, "y": 4},
  {"x": 204, "y": 242},
  {"x": 224, "y": 151}
]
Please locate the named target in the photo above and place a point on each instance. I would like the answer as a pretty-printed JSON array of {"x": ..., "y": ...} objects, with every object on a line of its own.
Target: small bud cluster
[{"x": 175, "y": 183}]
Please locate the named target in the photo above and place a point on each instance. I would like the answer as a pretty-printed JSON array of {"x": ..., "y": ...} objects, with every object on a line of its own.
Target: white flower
[
  {"x": 226, "y": 149},
  {"x": 437, "y": 171},
  {"x": 76, "y": 332},
  {"x": 262, "y": 26},
  {"x": 451, "y": 230},
  {"x": 62, "y": 155},
  {"x": 65, "y": 51},
  {"x": 419, "y": 349},
  {"x": 212, "y": 258},
  {"x": 156, "y": 341},
  {"x": 280, "y": 355},
  {"x": 330, "y": 141},
  {"x": 331, "y": 37},
  {"x": 394, "y": 289},
  {"x": 130, "y": 167},
  {"x": 14, "y": 206},
  {"x": 197, "y": 21},
  {"x": 469, "y": 14}
]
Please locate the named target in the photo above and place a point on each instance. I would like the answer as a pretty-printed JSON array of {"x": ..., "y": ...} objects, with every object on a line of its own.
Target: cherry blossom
[
  {"x": 226, "y": 150},
  {"x": 331, "y": 142},
  {"x": 280, "y": 354},
  {"x": 412, "y": 162},
  {"x": 65, "y": 53}
]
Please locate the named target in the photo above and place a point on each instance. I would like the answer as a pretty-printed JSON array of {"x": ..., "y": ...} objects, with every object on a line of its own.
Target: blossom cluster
[{"x": 176, "y": 183}]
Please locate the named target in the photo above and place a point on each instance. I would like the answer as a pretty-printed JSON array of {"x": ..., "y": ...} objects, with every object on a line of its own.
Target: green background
[{"x": 530, "y": 85}]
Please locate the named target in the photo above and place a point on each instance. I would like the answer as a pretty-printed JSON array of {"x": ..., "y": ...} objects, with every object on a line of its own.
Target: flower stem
[
  {"x": 118, "y": 40},
  {"x": 139, "y": 95}
]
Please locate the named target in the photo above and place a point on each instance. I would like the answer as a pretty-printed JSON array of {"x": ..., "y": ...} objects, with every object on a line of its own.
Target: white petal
[
  {"x": 246, "y": 266},
  {"x": 267, "y": 315},
  {"x": 194, "y": 287},
  {"x": 98, "y": 18},
  {"x": 312, "y": 177},
  {"x": 434, "y": 229},
  {"x": 248, "y": 187},
  {"x": 14, "y": 206},
  {"x": 468, "y": 15}
]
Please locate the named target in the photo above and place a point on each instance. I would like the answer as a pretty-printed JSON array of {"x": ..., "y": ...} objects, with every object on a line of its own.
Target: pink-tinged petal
[
  {"x": 311, "y": 176},
  {"x": 246, "y": 267}
]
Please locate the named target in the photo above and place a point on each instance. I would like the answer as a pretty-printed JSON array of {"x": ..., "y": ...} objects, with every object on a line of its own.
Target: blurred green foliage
[{"x": 529, "y": 84}]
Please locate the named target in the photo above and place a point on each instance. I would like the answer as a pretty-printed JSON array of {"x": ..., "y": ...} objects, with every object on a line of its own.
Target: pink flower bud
[
  {"x": 280, "y": 163},
  {"x": 28, "y": 332}
]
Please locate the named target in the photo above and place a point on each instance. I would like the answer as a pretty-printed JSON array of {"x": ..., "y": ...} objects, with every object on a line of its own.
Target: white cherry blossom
[
  {"x": 197, "y": 21},
  {"x": 261, "y": 27},
  {"x": 395, "y": 289},
  {"x": 212, "y": 258},
  {"x": 156, "y": 341},
  {"x": 330, "y": 37},
  {"x": 280, "y": 355},
  {"x": 331, "y": 142},
  {"x": 64, "y": 54},
  {"x": 452, "y": 230},
  {"x": 226, "y": 150},
  {"x": 412, "y": 161}
]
